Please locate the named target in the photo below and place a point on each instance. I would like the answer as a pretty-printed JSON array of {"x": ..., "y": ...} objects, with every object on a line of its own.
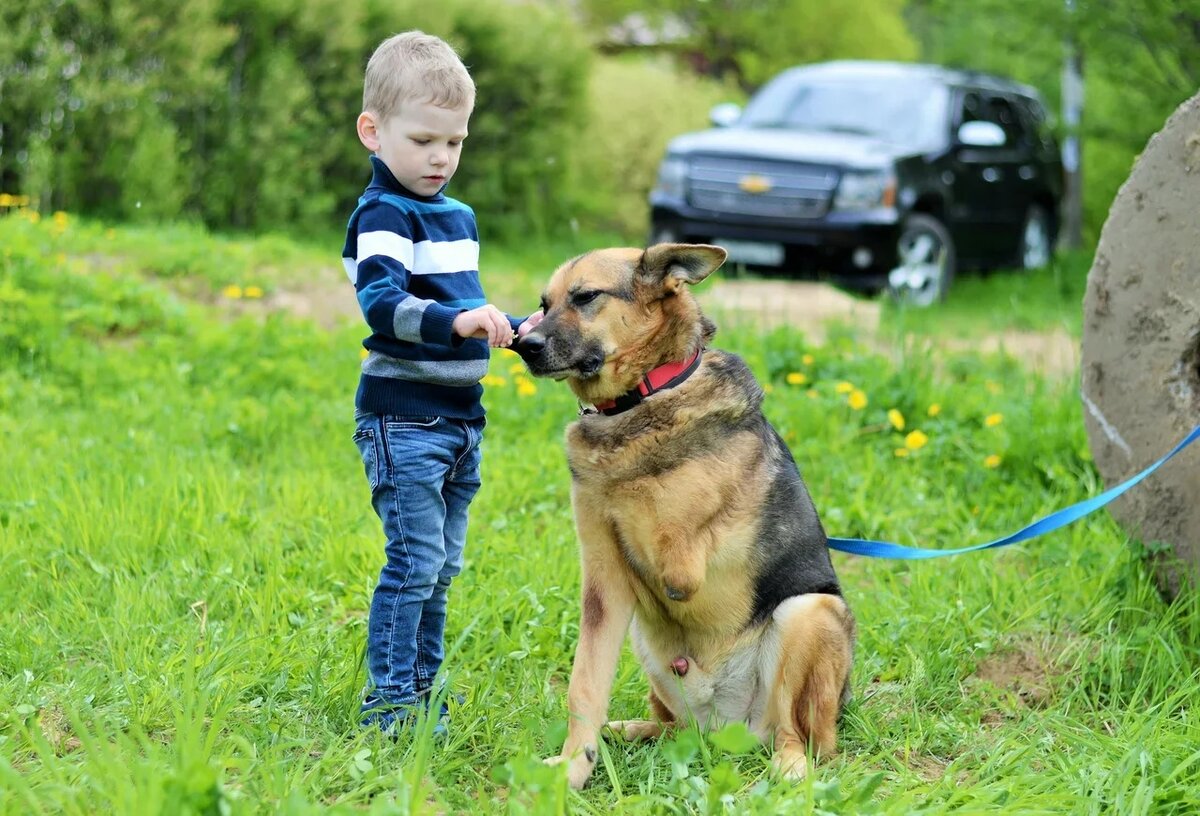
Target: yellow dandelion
[
  {"x": 253, "y": 292},
  {"x": 934, "y": 410},
  {"x": 7, "y": 200},
  {"x": 915, "y": 440},
  {"x": 516, "y": 368},
  {"x": 506, "y": 350},
  {"x": 901, "y": 452},
  {"x": 526, "y": 388},
  {"x": 60, "y": 220},
  {"x": 768, "y": 388},
  {"x": 807, "y": 359},
  {"x": 813, "y": 393},
  {"x": 797, "y": 378},
  {"x": 844, "y": 387},
  {"x": 232, "y": 291},
  {"x": 896, "y": 418},
  {"x": 993, "y": 461},
  {"x": 993, "y": 420},
  {"x": 493, "y": 380},
  {"x": 363, "y": 354},
  {"x": 857, "y": 400},
  {"x": 33, "y": 215}
]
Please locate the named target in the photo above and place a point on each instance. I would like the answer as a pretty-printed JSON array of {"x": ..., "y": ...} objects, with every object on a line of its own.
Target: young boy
[{"x": 412, "y": 254}]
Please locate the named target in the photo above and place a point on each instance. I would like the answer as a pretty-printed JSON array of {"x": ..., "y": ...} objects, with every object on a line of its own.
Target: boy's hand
[
  {"x": 530, "y": 322},
  {"x": 485, "y": 323}
]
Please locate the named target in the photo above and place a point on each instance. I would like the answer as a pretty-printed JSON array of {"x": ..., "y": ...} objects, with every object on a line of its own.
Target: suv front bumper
[{"x": 855, "y": 244}]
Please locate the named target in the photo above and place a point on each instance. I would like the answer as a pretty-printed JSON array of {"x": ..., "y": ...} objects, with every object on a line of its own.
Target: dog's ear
[{"x": 672, "y": 265}]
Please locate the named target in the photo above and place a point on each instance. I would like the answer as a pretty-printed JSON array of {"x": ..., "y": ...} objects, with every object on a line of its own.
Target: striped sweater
[{"x": 414, "y": 263}]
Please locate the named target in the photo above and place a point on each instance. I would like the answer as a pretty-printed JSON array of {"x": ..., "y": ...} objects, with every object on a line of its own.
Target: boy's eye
[
  {"x": 421, "y": 142},
  {"x": 455, "y": 144}
]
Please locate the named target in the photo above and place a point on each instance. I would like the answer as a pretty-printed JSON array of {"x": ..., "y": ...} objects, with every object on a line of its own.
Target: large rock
[{"x": 1141, "y": 347}]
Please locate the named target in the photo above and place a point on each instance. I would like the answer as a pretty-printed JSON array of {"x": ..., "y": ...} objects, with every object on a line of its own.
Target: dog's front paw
[
  {"x": 790, "y": 765},
  {"x": 579, "y": 765}
]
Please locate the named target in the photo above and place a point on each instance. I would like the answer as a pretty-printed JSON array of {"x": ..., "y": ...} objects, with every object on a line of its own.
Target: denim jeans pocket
[
  {"x": 397, "y": 422},
  {"x": 368, "y": 448}
]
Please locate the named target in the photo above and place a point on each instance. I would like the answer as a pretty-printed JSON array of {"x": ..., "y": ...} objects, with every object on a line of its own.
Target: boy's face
[{"x": 420, "y": 143}]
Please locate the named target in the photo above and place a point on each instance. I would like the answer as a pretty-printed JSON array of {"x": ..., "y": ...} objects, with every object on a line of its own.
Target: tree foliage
[
  {"x": 752, "y": 40},
  {"x": 1141, "y": 59},
  {"x": 241, "y": 112}
]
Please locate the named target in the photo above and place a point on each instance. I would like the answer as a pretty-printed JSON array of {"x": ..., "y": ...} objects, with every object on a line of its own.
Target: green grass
[
  {"x": 1006, "y": 300},
  {"x": 189, "y": 552}
]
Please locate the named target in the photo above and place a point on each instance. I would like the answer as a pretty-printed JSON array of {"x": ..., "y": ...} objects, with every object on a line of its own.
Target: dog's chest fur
[{"x": 683, "y": 470}]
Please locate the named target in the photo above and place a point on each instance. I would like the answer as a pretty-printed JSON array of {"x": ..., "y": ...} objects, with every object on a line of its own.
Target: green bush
[
  {"x": 240, "y": 113},
  {"x": 635, "y": 106}
]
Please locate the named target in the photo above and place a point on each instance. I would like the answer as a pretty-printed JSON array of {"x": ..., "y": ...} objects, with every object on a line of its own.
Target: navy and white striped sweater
[{"x": 414, "y": 262}]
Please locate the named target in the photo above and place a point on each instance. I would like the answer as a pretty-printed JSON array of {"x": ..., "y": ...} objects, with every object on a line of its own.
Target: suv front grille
[{"x": 787, "y": 190}]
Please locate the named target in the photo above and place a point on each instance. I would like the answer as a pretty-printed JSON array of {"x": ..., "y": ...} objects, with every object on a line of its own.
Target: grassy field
[{"x": 189, "y": 552}]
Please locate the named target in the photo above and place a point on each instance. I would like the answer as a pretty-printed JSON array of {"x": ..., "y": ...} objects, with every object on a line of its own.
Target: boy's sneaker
[
  {"x": 441, "y": 727},
  {"x": 394, "y": 719},
  {"x": 389, "y": 718}
]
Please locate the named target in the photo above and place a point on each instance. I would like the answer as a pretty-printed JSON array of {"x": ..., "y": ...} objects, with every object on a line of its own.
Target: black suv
[{"x": 877, "y": 174}]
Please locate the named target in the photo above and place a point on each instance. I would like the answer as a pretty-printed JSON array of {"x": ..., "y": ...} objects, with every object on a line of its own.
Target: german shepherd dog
[{"x": 693, "y": 521}]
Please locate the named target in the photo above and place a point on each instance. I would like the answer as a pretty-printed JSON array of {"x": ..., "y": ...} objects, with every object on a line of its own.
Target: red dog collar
[{"x": 658, "y": 379}]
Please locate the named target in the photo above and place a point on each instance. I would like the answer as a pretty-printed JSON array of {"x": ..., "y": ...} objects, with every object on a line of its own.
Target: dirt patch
[
  {"x": 331, "y": 305},
  {"x": 809, "y": 307},
  {"x": 1023, "y": 672},
  {"x": 816, "y": 309}
]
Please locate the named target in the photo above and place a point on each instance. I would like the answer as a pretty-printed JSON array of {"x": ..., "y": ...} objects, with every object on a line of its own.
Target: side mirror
[
  {"x": 725, "y": 114},
  {"x": 981, "y": 134}
]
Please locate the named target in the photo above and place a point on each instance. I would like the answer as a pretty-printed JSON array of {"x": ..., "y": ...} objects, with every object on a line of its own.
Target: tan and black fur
[{"x": 697, "y": 535}]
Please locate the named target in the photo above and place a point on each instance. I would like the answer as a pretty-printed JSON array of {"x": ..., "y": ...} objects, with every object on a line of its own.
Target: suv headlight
[
  {"x": 672, "y": 177},
  {"x": 865, "y": 191}
]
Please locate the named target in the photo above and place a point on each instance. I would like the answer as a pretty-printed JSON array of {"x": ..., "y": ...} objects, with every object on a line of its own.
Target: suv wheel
[
  {"x": 1035, "y": 250},
  {"x": 926, "y": 262}
]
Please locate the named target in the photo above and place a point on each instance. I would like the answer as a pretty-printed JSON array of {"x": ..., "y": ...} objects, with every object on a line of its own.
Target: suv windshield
[{"x": 898, "y": 110}]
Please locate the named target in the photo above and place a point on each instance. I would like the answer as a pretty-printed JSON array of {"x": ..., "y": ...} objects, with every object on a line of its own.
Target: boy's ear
[
  {"x": 367, "y": 132},
  {"x": 673, "y": 265}
]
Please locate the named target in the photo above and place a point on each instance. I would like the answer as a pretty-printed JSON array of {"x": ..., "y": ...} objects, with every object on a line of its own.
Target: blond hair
[{"x": 415, "y": 66}]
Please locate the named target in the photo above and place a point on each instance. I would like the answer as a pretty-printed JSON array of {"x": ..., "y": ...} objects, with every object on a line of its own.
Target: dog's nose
[{"x": 530, "y": 346}]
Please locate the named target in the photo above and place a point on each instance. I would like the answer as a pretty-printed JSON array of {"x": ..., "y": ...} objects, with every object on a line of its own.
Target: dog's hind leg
[
  {"x": 639, "y": 730},
  {"x": 816, "y": 634}
]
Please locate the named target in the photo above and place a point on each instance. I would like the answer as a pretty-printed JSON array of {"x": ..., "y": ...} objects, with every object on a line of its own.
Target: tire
[
  {"x": 926, "y": 261},
  {"x": 1035, "y": 248}
]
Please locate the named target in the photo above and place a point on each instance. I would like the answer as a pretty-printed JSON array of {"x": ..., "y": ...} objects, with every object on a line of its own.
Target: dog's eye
[{"x": 584, "y": 298}]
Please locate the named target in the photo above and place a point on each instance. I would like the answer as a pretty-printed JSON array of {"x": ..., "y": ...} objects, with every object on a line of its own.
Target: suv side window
[
  {"x": 1004, "y": 113},
  {"x": 980, "y": 106}
]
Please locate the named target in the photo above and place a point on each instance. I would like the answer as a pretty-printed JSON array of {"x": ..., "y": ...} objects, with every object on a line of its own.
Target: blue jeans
[{"x": 423, "y": 473}]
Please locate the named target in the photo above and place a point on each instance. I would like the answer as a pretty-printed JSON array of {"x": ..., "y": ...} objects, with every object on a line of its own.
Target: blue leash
[{"x": 1060, "y": 518}]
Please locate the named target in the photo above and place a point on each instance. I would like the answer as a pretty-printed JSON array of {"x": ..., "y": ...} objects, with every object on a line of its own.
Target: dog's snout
[{"x": 531, "y": 346}]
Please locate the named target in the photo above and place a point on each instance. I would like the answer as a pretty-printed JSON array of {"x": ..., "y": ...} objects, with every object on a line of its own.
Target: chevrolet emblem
[{"x": 755, "y": 184}]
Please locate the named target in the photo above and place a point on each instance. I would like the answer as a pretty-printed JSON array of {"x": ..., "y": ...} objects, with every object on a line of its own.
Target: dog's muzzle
[{"x": 532, "y": 348}]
